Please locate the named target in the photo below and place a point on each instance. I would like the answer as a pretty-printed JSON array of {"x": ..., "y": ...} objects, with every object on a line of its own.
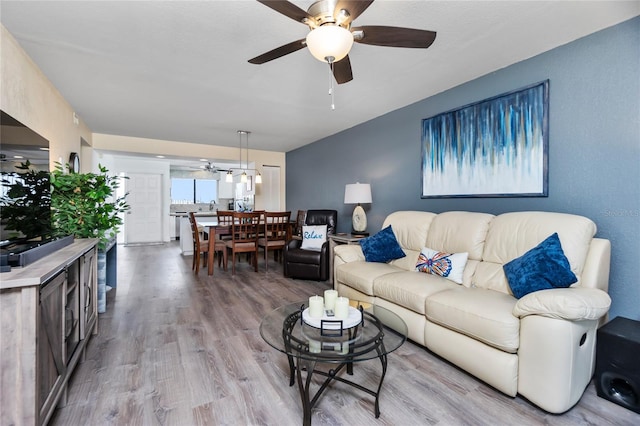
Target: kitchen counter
[
  {"x": 197, "y": 214},
  {"x": 184, "y": 229}
]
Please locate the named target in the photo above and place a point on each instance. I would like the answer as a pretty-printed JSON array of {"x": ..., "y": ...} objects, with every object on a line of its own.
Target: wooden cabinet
[{"x": 49, "y": 312}]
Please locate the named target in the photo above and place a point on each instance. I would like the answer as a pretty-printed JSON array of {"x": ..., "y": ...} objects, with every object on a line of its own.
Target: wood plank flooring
[{"x": 178, "y": 349}]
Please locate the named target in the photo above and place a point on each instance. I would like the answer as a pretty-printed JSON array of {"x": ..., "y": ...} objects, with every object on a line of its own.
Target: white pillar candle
[
  {"x": 316, "y": 307},
  {"x": 330, "y": 297},
  {"x": 342, "y": 308}
]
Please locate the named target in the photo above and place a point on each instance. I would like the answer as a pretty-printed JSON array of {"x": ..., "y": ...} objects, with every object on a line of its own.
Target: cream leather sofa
[{"x": 541, "y": 346}]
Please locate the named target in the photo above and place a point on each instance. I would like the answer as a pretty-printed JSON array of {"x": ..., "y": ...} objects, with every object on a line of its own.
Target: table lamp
[{"x": 357, "y": 193}]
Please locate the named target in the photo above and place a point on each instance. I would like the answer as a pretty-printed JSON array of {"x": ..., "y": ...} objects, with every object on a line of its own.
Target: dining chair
[
  {"x": 201, "y": 247},
  {"x": 260, "y": 223},
  {"x": 276, "y": 234},
  {"x": 225, "y": 217},
  {"x": 244, "y": 237}
]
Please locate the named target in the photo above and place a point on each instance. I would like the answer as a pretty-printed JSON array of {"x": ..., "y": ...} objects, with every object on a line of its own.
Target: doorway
[
  {"x": 270, "y": 188},
  {"x": 143, "y": 223}
]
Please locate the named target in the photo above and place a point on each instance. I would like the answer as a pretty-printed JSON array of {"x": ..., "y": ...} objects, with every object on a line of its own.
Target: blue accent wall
[{"x": 594, "y": 151}]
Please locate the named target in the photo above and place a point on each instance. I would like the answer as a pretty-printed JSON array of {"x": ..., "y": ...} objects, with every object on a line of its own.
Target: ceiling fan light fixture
[{"x": 329, "y": 41}]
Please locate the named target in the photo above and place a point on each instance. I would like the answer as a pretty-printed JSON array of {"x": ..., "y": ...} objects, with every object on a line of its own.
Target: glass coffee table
[{"x": 374, "y": 333}]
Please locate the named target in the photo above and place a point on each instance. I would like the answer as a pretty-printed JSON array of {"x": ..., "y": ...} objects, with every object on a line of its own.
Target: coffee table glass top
[{"x": 380, "y": 333}]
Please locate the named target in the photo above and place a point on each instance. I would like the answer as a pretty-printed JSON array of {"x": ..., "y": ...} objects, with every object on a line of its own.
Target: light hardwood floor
[{"x": 178, "y": 349}]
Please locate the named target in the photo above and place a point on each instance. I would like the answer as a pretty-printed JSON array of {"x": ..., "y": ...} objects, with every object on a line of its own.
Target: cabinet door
[
  {"x": 88, "y": 296},
  {"x": 51, "y": 342},
  {"x": 225, "y": 190},
  {"x": 72, "y": 309}
]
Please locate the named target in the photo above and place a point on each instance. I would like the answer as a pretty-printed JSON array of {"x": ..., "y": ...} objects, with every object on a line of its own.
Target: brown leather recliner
[{"x": 309, "y": 264}]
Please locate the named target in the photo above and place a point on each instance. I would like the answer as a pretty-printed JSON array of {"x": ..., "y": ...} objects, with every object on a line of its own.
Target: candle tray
[{"x": 333, "y": 323}]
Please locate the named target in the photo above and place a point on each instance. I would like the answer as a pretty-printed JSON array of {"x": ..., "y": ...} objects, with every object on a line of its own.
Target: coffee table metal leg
[
  {"x": 383, "y": 360},
  {"x": 292, "y": 368},
  {"x": 304, "y": 388}
]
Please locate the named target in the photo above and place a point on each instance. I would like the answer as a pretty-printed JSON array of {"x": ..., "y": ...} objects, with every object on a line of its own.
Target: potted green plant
[{"x": 86, "y": 205}]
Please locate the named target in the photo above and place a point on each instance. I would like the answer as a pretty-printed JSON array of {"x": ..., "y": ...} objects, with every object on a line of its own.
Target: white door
[
  {"x": 270, "y": 188},
  {"x": 143, "y": 223}
]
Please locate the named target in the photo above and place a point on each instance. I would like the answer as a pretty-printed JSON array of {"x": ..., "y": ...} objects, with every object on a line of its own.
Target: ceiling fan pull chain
[{"x": 333, "y": 105}]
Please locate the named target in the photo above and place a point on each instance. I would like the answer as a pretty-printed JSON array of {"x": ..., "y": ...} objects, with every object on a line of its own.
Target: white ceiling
[{"x": 178, "y": 70}]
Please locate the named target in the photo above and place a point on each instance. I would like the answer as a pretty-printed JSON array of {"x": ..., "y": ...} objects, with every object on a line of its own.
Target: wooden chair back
[
  {"x": 244, "y": 236},
  {"x": 195, "y": 232},
  {"x": 225, "y": 217},
  {"x": 198, "y": 246},
  {"x": 300, "y": 218},
  {"x": 277, "y": 226},
  {"x": 276, "y": 234}
]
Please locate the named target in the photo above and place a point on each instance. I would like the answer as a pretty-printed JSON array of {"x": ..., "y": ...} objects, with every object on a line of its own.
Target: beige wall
[{"x": 28, "y": 96}]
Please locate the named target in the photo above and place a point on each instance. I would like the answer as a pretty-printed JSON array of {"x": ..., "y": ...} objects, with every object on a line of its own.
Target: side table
[{"x": 337, "y": 239}]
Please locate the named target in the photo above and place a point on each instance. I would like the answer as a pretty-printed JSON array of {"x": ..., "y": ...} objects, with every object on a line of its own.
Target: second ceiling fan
[{"x": 332, "y": 35}]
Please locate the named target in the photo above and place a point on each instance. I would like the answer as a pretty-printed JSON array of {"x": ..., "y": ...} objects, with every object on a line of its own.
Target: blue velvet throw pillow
[
  {"x": 382, "y": 247},
  {"x": 543, "y": 267}
]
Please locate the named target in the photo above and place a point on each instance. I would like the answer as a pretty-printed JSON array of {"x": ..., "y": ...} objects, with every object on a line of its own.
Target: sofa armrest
[
  {"x": 346, "y": 253},
  {"x": 574, "y": 303}
]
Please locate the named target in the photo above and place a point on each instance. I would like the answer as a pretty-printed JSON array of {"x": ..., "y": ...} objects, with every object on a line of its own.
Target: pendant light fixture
[{"x": 244, "y": 170}]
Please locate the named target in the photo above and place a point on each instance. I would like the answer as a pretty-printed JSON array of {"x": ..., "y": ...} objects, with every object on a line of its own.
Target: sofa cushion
[
  {"x": 458, "y": 232},
  {"x": 411, "y": 229},
  {"x": 381, "y": 247},
  {"x": 513, "y": 234},
  {"x": 410, "y": 289},
  {"x": 543, "y": 267},
  {"x": 313, "y": 237},
  {"x": 484, "y": 315},
  {"x": 360, "y": 275},
  {"x": 447, "y": 265}
]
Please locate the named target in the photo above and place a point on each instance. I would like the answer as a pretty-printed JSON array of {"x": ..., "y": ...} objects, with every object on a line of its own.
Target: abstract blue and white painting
[{"x": 493, "y": 148}]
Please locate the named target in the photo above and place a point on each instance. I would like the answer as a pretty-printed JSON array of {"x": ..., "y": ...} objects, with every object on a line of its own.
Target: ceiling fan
[
  {"x": 210, "y": 168},
  {"x": 332, "y": 35}
]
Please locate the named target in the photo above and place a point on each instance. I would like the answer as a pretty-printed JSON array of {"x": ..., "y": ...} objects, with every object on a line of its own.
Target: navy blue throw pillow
[
  {"x": 543, "y": 267},
  {"x": 382, "y": 247}
]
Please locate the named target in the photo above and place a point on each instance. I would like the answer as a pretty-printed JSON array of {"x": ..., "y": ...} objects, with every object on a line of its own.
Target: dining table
[{"x": 214, "y": 228}]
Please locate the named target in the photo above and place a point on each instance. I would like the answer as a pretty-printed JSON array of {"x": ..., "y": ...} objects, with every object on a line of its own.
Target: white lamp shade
[
  {"x": 356, "y": 193},
  {"x": 329, "y": 41},
  {"x": 229, "y": 178}
]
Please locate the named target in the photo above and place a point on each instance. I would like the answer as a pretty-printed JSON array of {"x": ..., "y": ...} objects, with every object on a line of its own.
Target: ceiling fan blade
[
  {"x": 342, "y": 70},
  {"x": 354, "y": 7},
  {"x": 393, "y": 36},
  {"x": 279, "y": 52},
  {"x": 287, "y": 9}
]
